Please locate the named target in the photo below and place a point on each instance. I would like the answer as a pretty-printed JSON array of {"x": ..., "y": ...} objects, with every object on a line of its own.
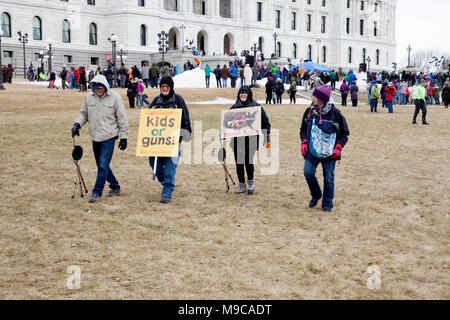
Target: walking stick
[
  {"x": 154, "y": 168},
  {"x": 222, "y": 155}
]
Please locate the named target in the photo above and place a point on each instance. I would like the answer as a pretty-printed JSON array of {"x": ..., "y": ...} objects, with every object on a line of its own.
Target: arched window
[
  {"x": 65, "y": 31},
  {"x": 349, "y": 55},
  {"x": 278, "y": 49},
  {"x": 93, "y": 34},
  {"x": 294, "y": 51},
  {"x": 378, "y": 56},
  {"x": 261, "y": 44},
  {"x": 364, "y": 55},
  {"x": 324, "y": 54},
  {"x": 37, "y": 28},
  {"x": 6, "y": 24},
  {"x": 309, "y": 53},
  {"x": 143, "y": 34}
]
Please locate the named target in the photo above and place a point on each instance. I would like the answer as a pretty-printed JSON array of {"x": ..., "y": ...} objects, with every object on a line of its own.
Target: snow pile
[{"x": 193, "y": 79}]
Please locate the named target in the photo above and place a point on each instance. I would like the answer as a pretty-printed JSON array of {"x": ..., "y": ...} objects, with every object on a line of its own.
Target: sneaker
[
  {"x": 326, "y": 209},
  {"x": 113, "y": 193},
  {"x": 94, "y": 199},
  {"x": 251, "y": 187},
  {"x": 241, "y": 188},
  {"x": 165, "y": 199},
  {"x": 313, "y": 203}
]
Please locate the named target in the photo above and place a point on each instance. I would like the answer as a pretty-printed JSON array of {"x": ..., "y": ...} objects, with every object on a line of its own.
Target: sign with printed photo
[{"x": 241, "y": 122}]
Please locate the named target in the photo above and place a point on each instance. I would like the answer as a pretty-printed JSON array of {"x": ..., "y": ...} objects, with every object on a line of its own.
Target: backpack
[{"x": 323, "y": 139}]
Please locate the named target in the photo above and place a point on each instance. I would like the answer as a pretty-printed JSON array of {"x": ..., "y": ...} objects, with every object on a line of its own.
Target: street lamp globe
[
  {"x": 50, "y": 42},
  {"x": 114, "y": 38},
  {"x": 41, "y": 52},
  {"x": 121, "y": 47}
]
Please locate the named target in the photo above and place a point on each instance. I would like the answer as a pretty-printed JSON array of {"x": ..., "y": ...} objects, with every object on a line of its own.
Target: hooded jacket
[
  {"x": 106, "y": 115},
  {"x": 172, "y": 101},
  {"x": 237, "y": 143}
]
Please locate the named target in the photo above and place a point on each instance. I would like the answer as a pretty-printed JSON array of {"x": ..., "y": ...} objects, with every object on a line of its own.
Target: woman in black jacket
[
  {"x": 244, "y": 148},
  {"x": 131, "y": 91}
]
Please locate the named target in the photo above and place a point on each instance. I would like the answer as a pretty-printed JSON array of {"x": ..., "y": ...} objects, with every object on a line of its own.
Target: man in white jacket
[{"x": 105, "y": 112}]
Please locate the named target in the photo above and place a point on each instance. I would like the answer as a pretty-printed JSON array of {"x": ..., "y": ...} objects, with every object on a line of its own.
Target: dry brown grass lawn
[{"x": 391, "y": 210}]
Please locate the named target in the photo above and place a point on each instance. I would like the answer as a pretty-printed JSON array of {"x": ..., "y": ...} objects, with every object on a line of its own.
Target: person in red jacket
[
  {"x": 77, "y": 78},
  {"x": 391, "y": 92}
]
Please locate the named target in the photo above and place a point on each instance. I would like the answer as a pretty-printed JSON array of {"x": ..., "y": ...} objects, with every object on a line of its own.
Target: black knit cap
[{"x": 169, "y": 81}]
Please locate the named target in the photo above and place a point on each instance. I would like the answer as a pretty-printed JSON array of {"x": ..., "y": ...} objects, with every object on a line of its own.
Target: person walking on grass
[
  {"x": 269, "y": 91},
  {"x": 323, "y": 134},
  {"x": 344, "y": 92},
  {"x": 419, "y": 99},
  {"x": 104, "y": 110},
  {"x": 446, "y": 95},
  {"x": 166, "y": 167},
  {"x": 132, "y": 91},
  {"x": 244, "y": 148},
  {"x": 354, "y": 93},
  {"x": 279, "y": 90},
  {"x": 374, "y": 96},
  {"x": 292, "y": 89},
  {"x": 391, "y": 92},
  {"x": 217, "y": 73}
]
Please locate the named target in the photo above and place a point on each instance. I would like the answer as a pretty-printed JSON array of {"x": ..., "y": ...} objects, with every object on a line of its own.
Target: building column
[
  {"x": 216, "y": 7},
  {"x": 161, "y": 4},
  {"x": 189, "y": 6}
]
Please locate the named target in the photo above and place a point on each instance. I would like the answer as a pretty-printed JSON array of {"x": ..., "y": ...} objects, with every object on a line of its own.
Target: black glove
[
  {"x": 122, "y": 144},
  {"x": 76, "y": 130}
]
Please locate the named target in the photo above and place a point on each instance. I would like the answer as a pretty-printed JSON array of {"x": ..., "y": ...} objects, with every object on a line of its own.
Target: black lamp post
[
  {"x": 113, "y": 40},
  {"x": 368, "y": 60},
  {"x": 409, "y": 55},
  {"x": 49, "y": 53},
  {"x": 24, "y": 40},
  {"x": 275, "y": 37},
  {"x": 182, "y": 27},
  {"x": 163, "y": 44},
  {"x": 121, "y": 55},
  {"x": 1, "y": 66},
  {"x": 318, "y": 49}
]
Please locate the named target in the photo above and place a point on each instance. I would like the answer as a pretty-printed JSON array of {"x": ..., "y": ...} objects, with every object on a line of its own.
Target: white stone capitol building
[{"x": 337, "y": 33}]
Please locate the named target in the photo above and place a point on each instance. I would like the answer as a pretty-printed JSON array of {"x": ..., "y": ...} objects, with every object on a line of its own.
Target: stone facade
[{"x": 213, "y": 25}]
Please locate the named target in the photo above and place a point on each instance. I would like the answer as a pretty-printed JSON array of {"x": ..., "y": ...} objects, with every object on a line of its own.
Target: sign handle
[{"x": 154, "y": 168}]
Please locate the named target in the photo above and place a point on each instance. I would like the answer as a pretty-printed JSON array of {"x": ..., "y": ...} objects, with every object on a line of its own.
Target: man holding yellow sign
[{"x": 161, "y": 130}]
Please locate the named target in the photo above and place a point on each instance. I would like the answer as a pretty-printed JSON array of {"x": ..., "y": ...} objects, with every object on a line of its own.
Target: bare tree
[{"x": 420, "y": 58}]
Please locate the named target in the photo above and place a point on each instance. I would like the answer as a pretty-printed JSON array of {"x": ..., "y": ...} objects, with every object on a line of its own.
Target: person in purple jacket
[
  {"x": 354, "y": 93},
  {"x": 344, "y": 92}
]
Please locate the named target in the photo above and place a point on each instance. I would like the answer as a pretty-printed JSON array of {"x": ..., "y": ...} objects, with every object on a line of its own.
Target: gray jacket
[
  {"x": 106, "y": 115},
  {"x": 402, "y": 88},
  {"x": 145, "y": 73}
]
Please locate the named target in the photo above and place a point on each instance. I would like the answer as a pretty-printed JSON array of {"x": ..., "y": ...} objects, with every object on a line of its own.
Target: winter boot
[
  {"x": 251, "y": 187},
  {"x": 241, "y": 188}
]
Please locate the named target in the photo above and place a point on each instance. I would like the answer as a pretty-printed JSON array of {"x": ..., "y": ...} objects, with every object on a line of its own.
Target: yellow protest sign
[{"x": 159, "y": 133}]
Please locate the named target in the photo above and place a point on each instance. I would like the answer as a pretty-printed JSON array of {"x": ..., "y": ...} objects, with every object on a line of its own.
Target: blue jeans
[
  {"x": 166, "y": 169},
  {"x": 402, "y": 98},
  {"x": 207, "y": 81},
  {"x": 242, "y": 81},
  {"x": 389, "y": 106},
  {"x": 154, "y": 82},
  {"x": 373, "y": 105},
  {"x": 224, "y": 82},
  {"x": 140, "y": 100},
  {"x": 328, "y": 166},
  {"x": 103, "y": 152}
]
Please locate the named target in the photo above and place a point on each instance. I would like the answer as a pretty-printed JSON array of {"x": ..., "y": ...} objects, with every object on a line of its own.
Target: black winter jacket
[
  {"x": 174, "y": 102},
  {"x": 333, "y": 115}
]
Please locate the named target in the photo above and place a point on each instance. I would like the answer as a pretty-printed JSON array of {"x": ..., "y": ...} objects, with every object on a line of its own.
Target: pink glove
[
  {"x": 337, "y": 152},
  {"x": 304, "y": 147}
]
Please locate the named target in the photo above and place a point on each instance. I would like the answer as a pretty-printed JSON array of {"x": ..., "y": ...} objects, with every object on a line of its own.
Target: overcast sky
[{"x": 424, "y": 24}]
